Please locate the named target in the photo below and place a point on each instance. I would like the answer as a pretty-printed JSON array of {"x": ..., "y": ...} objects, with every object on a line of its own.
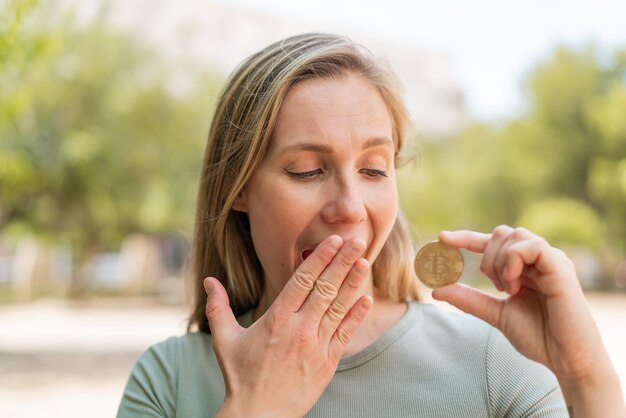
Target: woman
[{"x": 308, "y": 269}]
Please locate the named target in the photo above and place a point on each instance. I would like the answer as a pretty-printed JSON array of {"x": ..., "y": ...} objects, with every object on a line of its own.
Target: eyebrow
[{"x": 325, "y": 149}]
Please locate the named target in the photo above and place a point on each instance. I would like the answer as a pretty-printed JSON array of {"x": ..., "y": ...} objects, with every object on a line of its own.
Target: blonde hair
[{"x": 238, "y": 140}]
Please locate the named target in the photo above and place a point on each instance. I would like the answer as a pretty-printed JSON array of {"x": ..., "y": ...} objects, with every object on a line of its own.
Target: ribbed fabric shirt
[{"x": 432, "y": 363}]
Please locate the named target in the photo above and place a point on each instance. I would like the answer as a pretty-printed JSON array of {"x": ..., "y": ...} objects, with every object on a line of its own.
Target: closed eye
[
  {"x": 304, "y": 174},
  {"x": 374, "y": 173}
]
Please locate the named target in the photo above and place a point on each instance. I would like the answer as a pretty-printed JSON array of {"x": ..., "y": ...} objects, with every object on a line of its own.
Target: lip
[{"x": 306, "y": 253}]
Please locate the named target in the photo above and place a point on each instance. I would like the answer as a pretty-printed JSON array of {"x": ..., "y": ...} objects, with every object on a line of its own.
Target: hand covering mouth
[{"x": 304, "y": 254}]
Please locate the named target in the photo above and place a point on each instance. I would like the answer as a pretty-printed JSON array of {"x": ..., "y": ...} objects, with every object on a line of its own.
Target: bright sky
[{"x": 492, "y": 44}]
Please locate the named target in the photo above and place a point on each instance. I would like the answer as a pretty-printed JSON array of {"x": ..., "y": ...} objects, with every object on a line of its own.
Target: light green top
[{"x": 432, "y": 363}]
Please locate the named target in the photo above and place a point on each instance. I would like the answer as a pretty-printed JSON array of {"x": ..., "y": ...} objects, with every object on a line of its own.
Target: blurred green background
[
  {"x": 100, "y": 154},
  {"x": 105, "y": 106}
]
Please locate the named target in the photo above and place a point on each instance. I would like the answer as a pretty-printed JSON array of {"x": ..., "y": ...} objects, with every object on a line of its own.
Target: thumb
[
  {"x": 221, "y": 318},
  {"x": 471, "y": 301}
]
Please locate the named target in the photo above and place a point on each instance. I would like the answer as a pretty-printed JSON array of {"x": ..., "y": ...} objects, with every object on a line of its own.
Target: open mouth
[{"x": 306, "y": 253}]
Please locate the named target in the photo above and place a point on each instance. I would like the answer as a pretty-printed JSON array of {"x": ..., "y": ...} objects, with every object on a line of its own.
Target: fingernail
[
  {"x": 335, "y": 242},
  {"x": 445, "y": 232},
  {"x": 208, "y": 286},
  {"x": 356, "y": 245},
  {"x": 361, "y": 266}
]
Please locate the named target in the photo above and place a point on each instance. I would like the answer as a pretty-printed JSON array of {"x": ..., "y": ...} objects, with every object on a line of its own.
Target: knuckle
[
  {"x": 326, "y": 288},
  {"x": 211, "y": 310},
  {"x": 352, "y": 283},
  {"x": 343, "y": 335},
  {"x": 510, "y": 253},
  {"x": 336, "y": 311},
  {"x": 326, "y": 255},
  {"x": 276, "y": 322},
  {"x": 521, "y": 232},
  {"x": 501, "y": 230},
  {"x": 305, "y": 280},
  {"x": 345, "y": 262},
  {"x": 303, "y": 335},
  {"x": 540, "y": 242}
]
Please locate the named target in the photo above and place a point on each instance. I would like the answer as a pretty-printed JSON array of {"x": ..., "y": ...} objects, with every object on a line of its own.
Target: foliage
[
  {"x": 564, "y": 222},
  {"x": 560, "y": 167},
  {"x": 95, "y": 141}
]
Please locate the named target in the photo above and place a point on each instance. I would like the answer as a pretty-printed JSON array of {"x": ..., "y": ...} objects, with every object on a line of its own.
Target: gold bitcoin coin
[{"x": 438, "y": 264}]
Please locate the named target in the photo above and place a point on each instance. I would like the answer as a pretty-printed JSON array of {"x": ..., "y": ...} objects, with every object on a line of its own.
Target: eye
[
  {"x": 371, "y": 172},
  {"x": 305, "y": 175}
]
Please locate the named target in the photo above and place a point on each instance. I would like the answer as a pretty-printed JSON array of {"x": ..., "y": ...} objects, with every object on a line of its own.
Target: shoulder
[
  {"x": 462, "y": 344},
  {"x": 468, "y": 333},
  {"x": 175, "y": 345},
  {"x": 440, "y": 326},
  {"x": 519, "y": 386},
  {"x": 167, "y": 353},
  {"x": 451, "y": 342},
  {"x": 160, "y": 372}
]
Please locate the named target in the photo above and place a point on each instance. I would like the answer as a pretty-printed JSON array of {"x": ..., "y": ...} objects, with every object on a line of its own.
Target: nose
[{"x": 344, "y": 204}]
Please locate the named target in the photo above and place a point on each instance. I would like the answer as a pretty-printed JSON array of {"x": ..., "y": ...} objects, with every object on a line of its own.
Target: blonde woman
[{"x": 305, "y": 299}]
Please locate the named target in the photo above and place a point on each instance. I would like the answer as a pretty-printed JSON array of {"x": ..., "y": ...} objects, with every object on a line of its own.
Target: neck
[{"x": 383, "y": 315}]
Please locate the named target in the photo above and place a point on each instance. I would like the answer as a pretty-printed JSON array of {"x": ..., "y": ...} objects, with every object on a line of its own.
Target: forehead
[{"x": 331, "y": 110}]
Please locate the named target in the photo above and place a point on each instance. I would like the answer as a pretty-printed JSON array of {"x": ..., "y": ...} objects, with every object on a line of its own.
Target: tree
[
  {"x": 565, "y": 156},
  {"x": 94, "y": 141}
]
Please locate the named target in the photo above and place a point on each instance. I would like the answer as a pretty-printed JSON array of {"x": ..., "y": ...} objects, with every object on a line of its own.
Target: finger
[
  {"x": 347, "y": 296},
  {"x": 469, "y": 240},
  {"x": 528, "y": 282},
  {"x": 348, "y": 325},
  {"x": 536, "y": 256},
  {"x": 471, "y": 301},
  {"x": 499, "y": 265},
  {"x": 218, "y": 312},
  {"x": 529, "y": 253},
  {"x": 487, "y": 264},
  {"x": 327, "y": 286},
  {"x": 302, "y": 281},
  {"x": 511, "y": 275},
  {"x": 476, "y": 242}
]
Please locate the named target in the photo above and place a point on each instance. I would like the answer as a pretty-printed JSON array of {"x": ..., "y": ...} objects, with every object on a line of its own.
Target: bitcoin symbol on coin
[{"x": 438, "y": 264}]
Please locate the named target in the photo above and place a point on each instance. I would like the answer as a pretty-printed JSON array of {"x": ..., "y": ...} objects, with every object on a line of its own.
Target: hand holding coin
[
  {"x": 438, "y": 264},
  {"x": 544, "y": 315}
]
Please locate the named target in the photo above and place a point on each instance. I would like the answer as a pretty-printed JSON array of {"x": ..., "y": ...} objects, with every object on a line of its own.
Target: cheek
[
  {"x": 278, "y": 216},
  {"x": 383, "y": 210},
  {"x": 281, "y": 211},
  {"x": 383, "y": 203},
  {"x": 273, "y": 223}
]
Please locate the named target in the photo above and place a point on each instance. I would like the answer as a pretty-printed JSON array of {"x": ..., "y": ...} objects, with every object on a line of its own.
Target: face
[{"x": 329, "y": 170}]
